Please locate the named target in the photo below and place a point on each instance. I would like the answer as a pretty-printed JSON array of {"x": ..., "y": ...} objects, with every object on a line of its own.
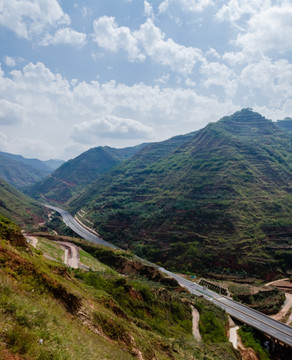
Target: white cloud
[
  {"x": 110, "y": 127},
  {"x": 220, "y": 75},
  {"x": 234, "y": 10},
  {"x": 269, "y": 30},
  {"x": 272, "y": 79},
  {"x": 166, "y": 52},
  {"x": 65, "y": 36},
  {"x": 149, "y": 39},
  {"x": 109, "y": 36},
  {"x": 10, "y": 113},
  {"x": 29, "y": 18},
  {"x": 186, "y": 5},
  {"x": 9, "y": 61},
  {"x": 148, "y": 9},
  {"x": 44, "y": 100}
]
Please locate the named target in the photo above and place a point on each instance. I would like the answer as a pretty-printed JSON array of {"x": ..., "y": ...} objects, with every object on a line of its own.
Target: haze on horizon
[{"x": 80, "y": 74}]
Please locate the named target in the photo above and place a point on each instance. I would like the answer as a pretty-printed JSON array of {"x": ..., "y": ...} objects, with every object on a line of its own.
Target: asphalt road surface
[{"x": 238, "y": 311}]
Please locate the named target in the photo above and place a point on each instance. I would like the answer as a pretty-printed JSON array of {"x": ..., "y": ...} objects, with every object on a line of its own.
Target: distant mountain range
[{"x": 21, "y": 172}]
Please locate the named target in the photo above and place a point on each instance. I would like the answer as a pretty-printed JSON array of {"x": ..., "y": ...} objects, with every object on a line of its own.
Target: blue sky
[{"x": 79, "y": 74}]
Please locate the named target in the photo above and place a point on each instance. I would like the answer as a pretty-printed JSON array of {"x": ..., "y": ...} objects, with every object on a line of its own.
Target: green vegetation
[
  {"x": 216, "y": 200},
  {"x": 74, "y": 175},
  {"x": 266, "y": 300},
  {"x": 50, "y": 312},
  {"x": 249, "y": 340},
  {"x": 19, "y": 207}
]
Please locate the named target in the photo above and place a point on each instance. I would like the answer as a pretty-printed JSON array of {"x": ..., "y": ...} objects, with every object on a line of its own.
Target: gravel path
[{"x": 196, "y": 319}]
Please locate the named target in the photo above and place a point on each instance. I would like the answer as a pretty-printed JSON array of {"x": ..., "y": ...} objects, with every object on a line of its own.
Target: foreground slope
[
  {"x": 222, "y": 199},
  {"x": 50, "y": 312},
  {"x": 79, "y": 172}
]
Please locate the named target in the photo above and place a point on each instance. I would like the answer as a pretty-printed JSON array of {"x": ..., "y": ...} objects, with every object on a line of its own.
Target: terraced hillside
[{"x": 219, "y": 201}]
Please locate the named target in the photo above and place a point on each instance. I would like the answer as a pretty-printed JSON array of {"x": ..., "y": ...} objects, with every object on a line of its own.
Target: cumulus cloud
[
  {"x": 275, "y": 85},
  {"x": 76, "y": 115},
  {"x": 9, "y": 61},
  {"x": 219, "y": 74},
  {"x": 269, "y": 30},
  {"x": 109, "y": 36},
  {"x": 234, "y": 10},
  {"x": 165, "y": 51},
  {"x": 148, "y": 9},
  {"x": 65, "y": 36},
  {"x": 148, "y": 40},
  {"x": 29, "y": 18},
  {"x": 187, "y": 5},
  {"x": 110, "y": 127},
  {"x": 10, "y": 113}
]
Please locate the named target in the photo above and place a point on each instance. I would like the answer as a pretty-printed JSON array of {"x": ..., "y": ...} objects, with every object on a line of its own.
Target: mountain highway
[{"x": 261, "y": 322}]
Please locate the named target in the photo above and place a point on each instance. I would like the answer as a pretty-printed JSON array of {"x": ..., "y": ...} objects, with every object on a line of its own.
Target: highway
[{"x": 251, "y": 317}]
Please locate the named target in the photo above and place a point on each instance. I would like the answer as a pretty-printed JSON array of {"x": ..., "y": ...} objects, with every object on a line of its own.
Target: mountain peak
[{"x": 247, "y": 122}]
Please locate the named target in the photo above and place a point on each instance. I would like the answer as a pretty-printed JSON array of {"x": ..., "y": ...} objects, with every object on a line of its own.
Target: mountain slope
[
  {"x": 19, "y": 174},
  {"x": 73, "y": 175},
  {"x": 221, "y": 199},
  {"x": 50, "y": 312},
  {"x": 19, "y": 207}
]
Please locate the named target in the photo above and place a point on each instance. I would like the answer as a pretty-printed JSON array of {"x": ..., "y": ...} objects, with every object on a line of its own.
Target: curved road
[{"x": 238, "y": 311}]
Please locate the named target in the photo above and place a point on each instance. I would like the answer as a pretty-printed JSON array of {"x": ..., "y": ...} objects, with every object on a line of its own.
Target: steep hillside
[
  {"x": 19, "y": 207},
  {"x": 221, "y": 201},
  {"x": 51, "y": 312},
  {"x": 79, "y": 172},
  {"x": 19, "y": 174}
]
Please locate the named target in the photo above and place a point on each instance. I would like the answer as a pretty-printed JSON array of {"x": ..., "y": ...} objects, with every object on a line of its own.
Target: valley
[{"x": 212, "y": 204}]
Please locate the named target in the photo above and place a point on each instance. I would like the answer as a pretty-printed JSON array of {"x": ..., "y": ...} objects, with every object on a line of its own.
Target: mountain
[
  {"x": 20, "y": 174},
  {"x": 45, "y": 166},
  {"x": 219, "y": 201},
  {"x": 51, "y": 312},
  {"x": 75, "y": 174},
  {"x": 285, "y": 125},
  {"x": 19, "y": 207}
]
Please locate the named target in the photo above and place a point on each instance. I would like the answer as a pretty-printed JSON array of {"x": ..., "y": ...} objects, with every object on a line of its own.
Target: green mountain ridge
[
  {"x": 75, "y": 174},
  {"x": 220, "y": 199}
]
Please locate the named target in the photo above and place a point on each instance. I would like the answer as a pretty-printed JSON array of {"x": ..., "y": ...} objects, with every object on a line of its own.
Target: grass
[
  {"x": 91, "y": 262},
  {"x": 51, "y": 249},
  {"x": 88, "y": 315}
]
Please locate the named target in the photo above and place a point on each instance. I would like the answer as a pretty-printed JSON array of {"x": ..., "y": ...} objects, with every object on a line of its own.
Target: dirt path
[
  {"x": 31, "y": 240},
  {"x": 233, "y": 337},
  {"x": 284, "y": 310},
  {"x": 275, "y": 281},
  {"x": 196, "y": 318},
  {"x": 71, "y": 257}
]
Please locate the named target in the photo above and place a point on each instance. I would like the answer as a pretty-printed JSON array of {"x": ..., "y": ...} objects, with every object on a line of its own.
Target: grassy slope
[
  {"x": 100, "y": 315},
  {"x": 79, "y": 172},
  {"x": 221, "y": 198},
  {"x": 19, "y": 207}
]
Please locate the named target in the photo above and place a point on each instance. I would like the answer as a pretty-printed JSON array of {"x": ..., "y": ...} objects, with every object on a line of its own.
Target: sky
[{"x": 80, "y": 74}]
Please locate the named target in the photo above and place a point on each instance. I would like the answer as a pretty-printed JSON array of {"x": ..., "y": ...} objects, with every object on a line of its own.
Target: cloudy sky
[{"x": 79, "y": 74}]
